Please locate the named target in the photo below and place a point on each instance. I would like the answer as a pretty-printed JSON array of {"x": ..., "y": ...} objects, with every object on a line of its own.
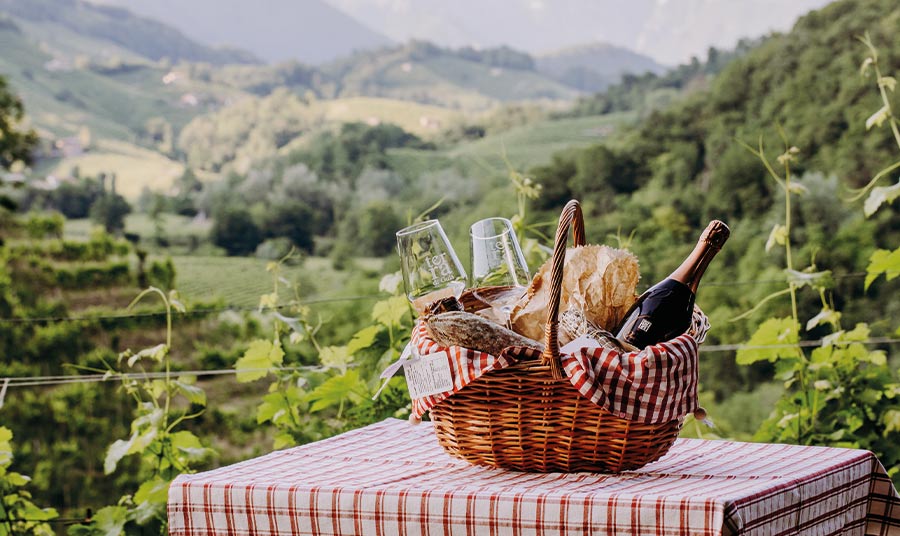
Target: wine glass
[
  {"x": 499, "y": 272},
  {"x": 431, "y": 270}
]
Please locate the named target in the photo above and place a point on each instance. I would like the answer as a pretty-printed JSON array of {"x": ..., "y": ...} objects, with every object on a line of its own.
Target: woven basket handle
[{"x": 571, "y": 216}]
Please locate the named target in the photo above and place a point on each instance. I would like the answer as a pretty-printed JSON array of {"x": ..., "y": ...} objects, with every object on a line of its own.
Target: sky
[
  {"x": 670, "y": 31},
  {"x": 316, "y": 31}
]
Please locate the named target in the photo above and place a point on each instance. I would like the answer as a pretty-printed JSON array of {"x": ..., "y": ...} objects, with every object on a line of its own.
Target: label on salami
[{"x": 428, "y": 375}]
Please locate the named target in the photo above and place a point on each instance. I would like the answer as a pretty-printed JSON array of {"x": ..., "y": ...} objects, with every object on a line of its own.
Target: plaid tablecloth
[{"x": 392, "y": 478}]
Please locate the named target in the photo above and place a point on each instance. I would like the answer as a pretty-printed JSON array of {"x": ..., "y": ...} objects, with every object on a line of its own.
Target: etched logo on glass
[{"x": 440, "y": 269}]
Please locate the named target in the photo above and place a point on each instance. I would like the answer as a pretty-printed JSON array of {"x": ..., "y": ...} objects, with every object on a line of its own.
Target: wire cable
[
  {"x": 190, "y": 312},
  {"x": 43, "y": 381},
  {"x": 803, "y": 344},
  {"x": 46, "y": 381}
]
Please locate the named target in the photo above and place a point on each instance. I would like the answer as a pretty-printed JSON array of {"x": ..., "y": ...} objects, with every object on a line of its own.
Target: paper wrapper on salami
[{"x": 598, "y": 280}]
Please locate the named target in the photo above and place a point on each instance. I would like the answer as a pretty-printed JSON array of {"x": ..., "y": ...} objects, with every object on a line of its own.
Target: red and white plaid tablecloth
[{"x": 392, "y": 478}]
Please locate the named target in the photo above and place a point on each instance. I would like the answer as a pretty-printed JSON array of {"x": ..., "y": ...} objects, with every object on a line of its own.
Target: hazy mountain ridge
[
  {"x": 119, "y": 27},
  {"x": 311, "y": 31},
  {"x": 594, "y": 67},
  {"x": 464, "y": 78},
  {"x": 668, "y": 31}
]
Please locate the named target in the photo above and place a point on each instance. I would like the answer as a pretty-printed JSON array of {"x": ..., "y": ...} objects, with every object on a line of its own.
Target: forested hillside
[
  {"x": 594, "y": 67},
  {"x": 110, "y": 25},
  {"x": 684, "y": 165}
]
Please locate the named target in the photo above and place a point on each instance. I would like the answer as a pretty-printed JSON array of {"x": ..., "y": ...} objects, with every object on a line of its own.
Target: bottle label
[
  {"x": 428, "y": 375},
  {"x": 644, "y": 324}
]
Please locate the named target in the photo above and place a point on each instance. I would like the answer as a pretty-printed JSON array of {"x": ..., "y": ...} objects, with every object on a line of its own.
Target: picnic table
[{"x": 393, "y": 478}]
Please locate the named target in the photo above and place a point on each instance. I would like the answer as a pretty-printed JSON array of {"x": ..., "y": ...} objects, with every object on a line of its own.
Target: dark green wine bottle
[{"x": 665, "y": 310}]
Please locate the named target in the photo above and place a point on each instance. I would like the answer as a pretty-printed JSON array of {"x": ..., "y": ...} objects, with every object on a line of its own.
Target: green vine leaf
[
  {"x": 390, "y": 283},
  {"x": 822, "y": 385},
  {"x": 6, "y": 455},
  {"x": 891, "y": 420},
  {"x": 825, "y": 316},
  {"x": 185, "y": 386},
  {"x": 268, "y": 301},
  {"x": 363, "y": 338},
  {"x": 797, "y": 188},
  {"x": 866, "y": 64},
  {"x": 261, "y": 355},
  {"x": 782, "y": 333},
  {"x": 156, "y": 388},
  {"x": 175, "y": 301},
  {"x": 283, "y": 440},
  {"x": 877, "y": 358},
  {"x": 293, "y": 323},
  {"x": 107, "y": 521},
  {"x": 878, "y": 118},
  {"x": 335, "y": 357},
  {"x": 859, "y": 333},
  {"x": 188, "y": 444},
  {"x": 281, "y": 406},
  {"x": 880, "y": 195},
  {"x": 777, "y": 236},
  {"x": 118, "y": 450},
  {"x": 348, "y": 386},
  {"x": 390, "y": 312},
  {"x": 156, "y": 353},
  {"x": 17, "y": 479},
  {"x": 884, "y": 262},
  {"x": 150, "y": 499},
  {"x": 296, "y": 337},
  {"x": 817, "y": 280}
]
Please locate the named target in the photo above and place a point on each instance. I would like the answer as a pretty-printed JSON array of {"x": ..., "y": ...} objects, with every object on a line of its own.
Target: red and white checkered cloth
[
  {"x": 657, "y": 384},
  {"x": 392, "y": 478}
]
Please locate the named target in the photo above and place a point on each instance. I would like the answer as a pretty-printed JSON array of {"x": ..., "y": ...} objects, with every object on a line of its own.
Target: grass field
[
  {"x": 411, "y": 116},
  {"x": 174, "y": 227},
  {"x": 135, "y": 168},
  {"x": 524, "y": 146},
  {"x": 240, "y": 281},
  {"x": 536, "y": 143}
]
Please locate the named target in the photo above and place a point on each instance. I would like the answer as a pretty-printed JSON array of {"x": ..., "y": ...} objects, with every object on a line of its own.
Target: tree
[
  {"x": 110, "y": 211},
  {"x": 15, "y": 145},
  {"x": 292, "y": 220},
  {"x": 377, "y": 223},
  {"x": 189, "y": 187},
  {"x": 235, "y": 232}
]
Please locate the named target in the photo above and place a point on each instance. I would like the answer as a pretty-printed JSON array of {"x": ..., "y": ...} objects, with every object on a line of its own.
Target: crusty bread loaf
[
  {"x": 600, "y": 281},
  {"x": 458, "y": 328}
]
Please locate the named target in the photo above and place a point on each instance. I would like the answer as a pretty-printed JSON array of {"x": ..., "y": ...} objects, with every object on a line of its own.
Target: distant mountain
[
  {"x": 310, "y": 31},
  {"x": 462, "y": 79},
  {"x": 594, "y": 67},
  {"x": 113, "y": 28},
  {"x": 669, "y": 31}
]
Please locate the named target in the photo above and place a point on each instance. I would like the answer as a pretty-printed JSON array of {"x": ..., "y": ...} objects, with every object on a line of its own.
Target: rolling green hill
[
  {"x": 143, "y": 118},
  {"x": 594, "y": 67},
  {"x": 63, "y": 95},
  {"x": 108, "y": 25},
  {"x": 461, "y": 79}
]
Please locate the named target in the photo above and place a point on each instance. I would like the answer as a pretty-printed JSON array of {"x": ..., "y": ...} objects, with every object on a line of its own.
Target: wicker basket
[{"x": 528, "y": 417}]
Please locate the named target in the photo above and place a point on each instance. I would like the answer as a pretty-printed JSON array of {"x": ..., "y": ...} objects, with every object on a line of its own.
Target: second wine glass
[{"x": 499, "y": 274}]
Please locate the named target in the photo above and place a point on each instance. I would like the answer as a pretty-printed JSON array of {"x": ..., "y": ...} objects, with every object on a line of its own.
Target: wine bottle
[{"x": 665, "y": 310}]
